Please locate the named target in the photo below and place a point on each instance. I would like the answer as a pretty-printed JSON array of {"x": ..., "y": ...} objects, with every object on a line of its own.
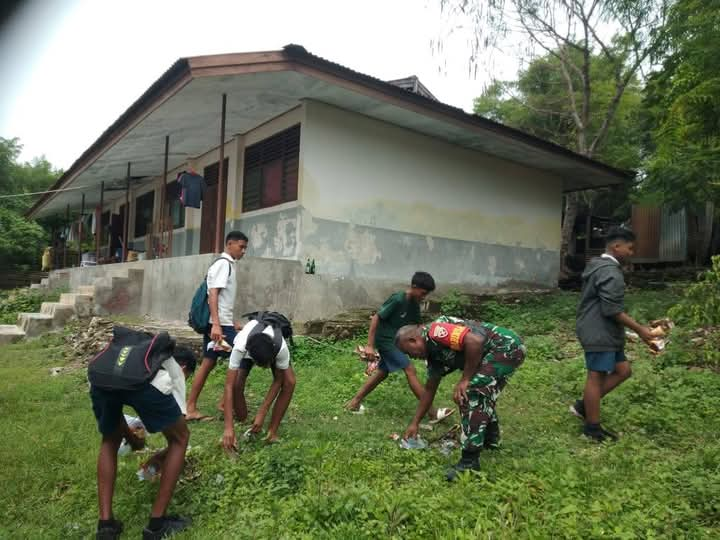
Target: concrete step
[
  {"x": 45, "y": 282},
  {"x": 101, "y": 282},
  {"x": 35, "y": 324},
  {"x": 119, "y": 281},
  {"x": 135, "y": 274},
  {"x": 60, "y": 313},
  {"x": 86, "y": 289},
  {"x": 9, "y": 333},
  {"x": 83, "y": 303},
  {"x": 35, "y": 286}
]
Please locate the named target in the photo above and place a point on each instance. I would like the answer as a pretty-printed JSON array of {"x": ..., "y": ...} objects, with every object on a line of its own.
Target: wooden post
[
  {"x": 163, "y": 187},
  {"x": 98, "y": 222},
  {"x": 80, "y": 228},
  {"x": 127, "y": 216},
  {"x": 65, "y": 243},
  {"x": 221, "y": 194},
  {"x": 588, "y": 233}
]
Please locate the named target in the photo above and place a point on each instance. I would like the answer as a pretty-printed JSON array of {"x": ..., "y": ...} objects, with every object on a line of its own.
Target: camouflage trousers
[
  {"x": 484, "y": 389},
  {"x": 479, "y": 410}
]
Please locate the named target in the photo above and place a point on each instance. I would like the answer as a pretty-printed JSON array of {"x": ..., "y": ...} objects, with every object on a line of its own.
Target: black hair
[
  {"x": 261, "y": 348},
  {"x": 235, "y": 235},
  {"x": 619, "y": 233},
  {"x": 423, "y": 280},
  {"x": 185, "y": 357}
]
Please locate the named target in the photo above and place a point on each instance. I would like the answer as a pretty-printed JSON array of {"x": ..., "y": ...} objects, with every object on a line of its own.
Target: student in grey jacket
[{"x": 600, "y": 327}]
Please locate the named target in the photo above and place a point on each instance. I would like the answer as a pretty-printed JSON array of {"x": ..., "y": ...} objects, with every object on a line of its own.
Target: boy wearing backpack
[
  {"x": 221, "y": 287},
  {"x": 261, "y": 342},
  {"x": 139, "y": 370}
]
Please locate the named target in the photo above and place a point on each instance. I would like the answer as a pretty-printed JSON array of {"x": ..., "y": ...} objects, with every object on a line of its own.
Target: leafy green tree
[
  {"x": 21, "y": 240},
  {"x": 536, "y": 103},
  {"x": 571, "y": 31},
  {"x": 683, "y": 109}
]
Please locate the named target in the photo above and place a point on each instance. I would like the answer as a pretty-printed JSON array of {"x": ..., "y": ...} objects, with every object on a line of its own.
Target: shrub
[
  {"x": 455, "y": 304},
  {"x": 700, "y": 305},
  {"x": 24, "y": 301}
]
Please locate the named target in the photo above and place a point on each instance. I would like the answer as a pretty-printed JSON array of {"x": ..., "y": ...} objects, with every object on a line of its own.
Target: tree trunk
[{"x": 568, "y": 226}]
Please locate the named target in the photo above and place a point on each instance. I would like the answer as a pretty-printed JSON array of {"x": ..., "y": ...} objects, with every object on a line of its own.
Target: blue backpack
[{"x": 199, "y": 315}]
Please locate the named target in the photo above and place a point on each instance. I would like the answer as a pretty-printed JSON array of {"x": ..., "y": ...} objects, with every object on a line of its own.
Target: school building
[{"x": 372, "y": 180}]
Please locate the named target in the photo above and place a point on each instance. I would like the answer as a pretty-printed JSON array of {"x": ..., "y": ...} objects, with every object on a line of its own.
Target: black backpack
[
  {"x": 276, "y": 320},
  {"x": 130, "y": 360}
]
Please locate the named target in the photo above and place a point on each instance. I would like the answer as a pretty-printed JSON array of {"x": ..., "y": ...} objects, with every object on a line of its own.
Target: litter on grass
[
  {"x": 413, "y": 444},
  {"x": 660, "y": 329}
]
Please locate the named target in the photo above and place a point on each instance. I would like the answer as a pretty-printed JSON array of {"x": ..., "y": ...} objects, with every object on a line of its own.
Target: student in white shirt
[
  {"x": 222, "y": 286},
  {"x": 266, "y": 349}
]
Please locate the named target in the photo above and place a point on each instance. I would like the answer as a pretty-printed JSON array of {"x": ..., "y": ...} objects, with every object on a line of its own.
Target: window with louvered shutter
[{"x": 271, "y": 170}]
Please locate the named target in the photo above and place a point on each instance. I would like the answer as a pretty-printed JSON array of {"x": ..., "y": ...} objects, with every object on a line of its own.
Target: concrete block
[
  {"x": 35, "y": 286},
  {"x": 59, "y": 279},
  {"x": 45, "y": 282},
  {"x": 83, "y": 303},
  {"x": 61, "y": 313},
  {"x": 135, "y": 274},
  {"x": 9, "y": 333},
  {"x": 35, "y": 324},
  {"x": 86, "y": 289}
]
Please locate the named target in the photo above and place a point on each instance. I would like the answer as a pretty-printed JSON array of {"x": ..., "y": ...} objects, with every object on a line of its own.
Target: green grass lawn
[{"x": 337, "y": 475}]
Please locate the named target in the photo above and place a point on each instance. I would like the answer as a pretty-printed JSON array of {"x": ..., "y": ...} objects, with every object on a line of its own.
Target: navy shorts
[
  {"x": 157, "y": 411},
  {"x": 604, "y": 361},
  {"x": 392, "y": 359},
  {"x": 229, "y": 332}
]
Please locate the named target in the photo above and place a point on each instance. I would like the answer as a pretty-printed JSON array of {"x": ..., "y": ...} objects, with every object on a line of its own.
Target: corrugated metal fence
[{"x": 662, "y": 235}]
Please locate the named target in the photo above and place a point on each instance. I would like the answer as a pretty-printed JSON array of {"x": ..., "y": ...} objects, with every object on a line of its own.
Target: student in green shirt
[{"x": 400, "y": 309}]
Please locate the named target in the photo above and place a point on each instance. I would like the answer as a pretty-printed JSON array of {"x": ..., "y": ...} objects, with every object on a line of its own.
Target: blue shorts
[
  {"x": 604, "y": 361},
  {"x": 229, "y": 332},
  {"x": 392, "y": 359},
  {"x": 157, "y": 411}
]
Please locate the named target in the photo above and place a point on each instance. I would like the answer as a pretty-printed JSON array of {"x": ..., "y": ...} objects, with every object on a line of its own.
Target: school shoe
[
  {"x": 598, "y": 433},
  {"x": 492, "y": 436},
  {"x": 170, "y": 525},
  {"x": 468, "y": 462},
  {"x": 578, "y": 409},
  {"x": 110, "y": 531}
]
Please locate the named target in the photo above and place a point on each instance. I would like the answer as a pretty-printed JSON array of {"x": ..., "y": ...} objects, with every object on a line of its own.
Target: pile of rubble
[{"x": 85, "y": 341}]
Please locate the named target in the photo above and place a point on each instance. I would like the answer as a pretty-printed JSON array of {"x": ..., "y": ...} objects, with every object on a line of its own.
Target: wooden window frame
[{"x": 263, "y": 158}]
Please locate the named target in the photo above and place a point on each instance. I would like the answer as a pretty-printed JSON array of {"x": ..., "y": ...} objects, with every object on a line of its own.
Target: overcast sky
[{"x": 69, "y": 68}]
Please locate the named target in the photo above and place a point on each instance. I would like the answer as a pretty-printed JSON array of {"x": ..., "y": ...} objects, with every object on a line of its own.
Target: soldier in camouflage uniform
[{"x": 487, "y": 355}]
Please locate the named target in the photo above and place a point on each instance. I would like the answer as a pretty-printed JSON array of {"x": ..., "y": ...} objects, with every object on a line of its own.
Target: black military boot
[
  {"x": 468, "y": 462},
  {"x": 492, "y": 436}
]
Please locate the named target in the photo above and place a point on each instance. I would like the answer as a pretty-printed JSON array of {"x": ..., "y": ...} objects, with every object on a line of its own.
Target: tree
[
  {"x": 17, "y": 178},
  {"x": 21, "y": 240},
  {"x": 683, "y": 109},
  {"x": 536, "y": 103},
  {"x": 572, "y": 31}
]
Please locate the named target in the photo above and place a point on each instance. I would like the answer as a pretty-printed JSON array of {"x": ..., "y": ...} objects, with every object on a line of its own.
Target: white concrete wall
[
  {"x": 380, "y": 201},
  {"x": 362, "y": 171}
]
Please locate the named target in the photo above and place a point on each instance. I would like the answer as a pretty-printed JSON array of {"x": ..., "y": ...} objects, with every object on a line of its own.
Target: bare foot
[
  {"x": 272, "y": 438},
  {"x": 197, "y": 416}
]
